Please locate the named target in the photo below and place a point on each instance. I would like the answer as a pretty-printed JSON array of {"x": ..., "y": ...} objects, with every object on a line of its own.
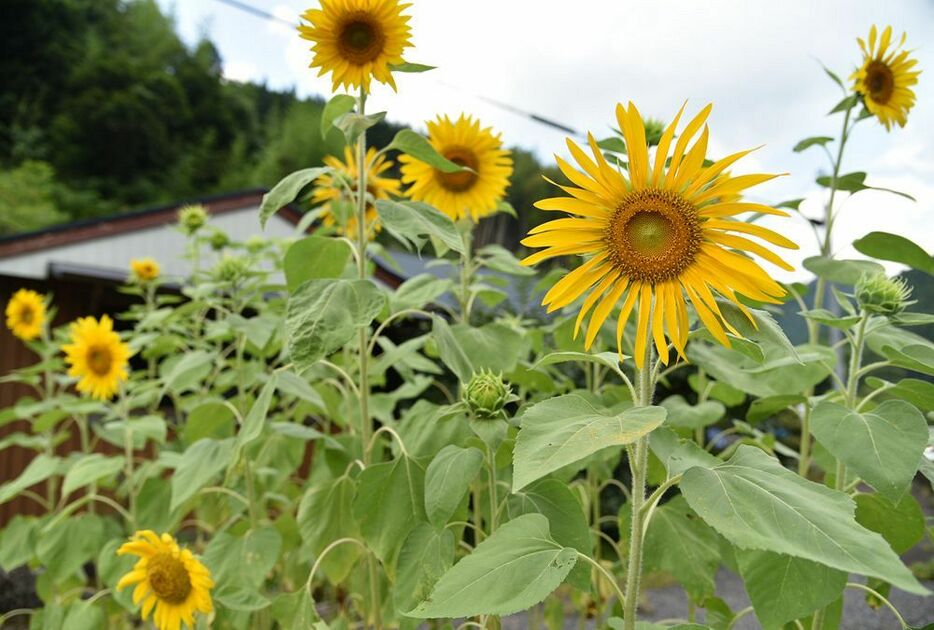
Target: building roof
[{"x": 101, "y": 248}]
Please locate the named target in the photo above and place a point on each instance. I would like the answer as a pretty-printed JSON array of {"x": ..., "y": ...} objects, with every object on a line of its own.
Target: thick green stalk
[
  {"x": 820, "y": 290},
  {"x": 638, "y": 466},
  {"x": 366, "y": 424},
  {"x": 466, "y": 273}
]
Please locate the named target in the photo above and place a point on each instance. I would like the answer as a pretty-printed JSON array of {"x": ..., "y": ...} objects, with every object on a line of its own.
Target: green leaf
[
  {"x": 90, "y": 468},
  {"x": 683, "y": 545},
  {"x": 756, "y": 503},
  {"x": 334, "y": 109},
  {"x": 419, "y": 148},
  {"x": 811, "y": 142},
  {"x": 450, "y": 350},
  {"x": 84, "y": 615},
  {"x": 418, "y": 291},
  {"x": 901, "y": 524},
  {"x": 841, "y": 271},
  {"x": 848, "y": 101},
  {"x": 555, "y": 501},
  {"x": 833, "y": 76},
  {"x": 39, "y": 469},
  {"x": 408, "y": 220},
  {"x": 850, "y": 182},
  {"x": 566, "y": 429},
  {"x": 827, "y": 318},
  {"x": 683, "y": 414},
  {"x": 256, "y": 417},
  {"x": 493, "y": 346},
  {"x": 17, "y": 542},
  {"x": 447, "y": 480},
  {"x": 244, "y": 560},
  {"x": 783, "y": 588},
  {"x": 325, "y": 515},
  {"x": 425, "y": 556},
  {"x": 919, "y": 393},
  {"x": 498, "y": 258},
  {"x": 353, "y": 124},
  {"x": 208, "y": 420},
  {"x": 917, "y": 357},
  {"x": 287, "y": 190},
  {"x": 323, "y": 315},
  {"x": 69, "y": 544},
  {"x": 295, "y": 611},
  {"x": 885, "y": 246},
  {"x": 239, "y": 598},
  {"x": 771, "y": 378},
  {"x": 188, "y": 372},
  {"x": 606, "y": 359},
  {"x": 200, "y": 463},
  {"x": 315, "y": 257},
  {"x": 678, "y": 455},
  {"x": 518, "y": 566},
  {"x": 763, "y": 408},
  {"x": 390, "y": 501},
  {"x": 883, "y": 446},
  {"x": 405, "y": 66},
  {"x": 614, "y": 144},
  {"x": 763, "y": 329},
  {"x": 791, "y": 204}
]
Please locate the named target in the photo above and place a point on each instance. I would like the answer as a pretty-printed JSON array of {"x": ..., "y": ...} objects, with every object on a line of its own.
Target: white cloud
[{"x": 757, "y": 61}]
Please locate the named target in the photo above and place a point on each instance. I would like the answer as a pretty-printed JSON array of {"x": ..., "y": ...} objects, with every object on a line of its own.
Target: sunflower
[
  {"x": 885, "y": 78},
  {"x": 357, "y": 39},
  {"x": 657, "y": 238},
  {"x": 25, "y": 314},
  {"x": 144, "y": 269},
  {"x": 168, "y": 578},
  {"x": 97, "y": 357},
  {"x": 328, "y": 188},
  {"x": 472, "y": 193}
]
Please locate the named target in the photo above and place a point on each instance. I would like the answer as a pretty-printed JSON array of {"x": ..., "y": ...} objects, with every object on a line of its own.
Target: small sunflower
[
  {"x": 357, "y": 40},
  {"x": 885, "y": 78},
  {"x": 96, "y": 357},
  {"x": 329, "y": 189},
  {"x": 144, "y": 269},
  {"x": 167, "y": 578},
  {"x": 25, "y": 314},
  {"x": 656, "y": 236},
  {"x": 472, "y": 193}
]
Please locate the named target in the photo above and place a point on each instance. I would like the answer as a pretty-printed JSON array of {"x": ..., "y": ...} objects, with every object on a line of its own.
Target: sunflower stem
[
  {"x": 363, "y": 389},
  {"x": 467, "y": 272},
  {"x": 638, "y": 466}
]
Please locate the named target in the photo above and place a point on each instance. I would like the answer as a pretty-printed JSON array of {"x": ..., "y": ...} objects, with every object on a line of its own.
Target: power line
[{"x": 512, "y": 109}]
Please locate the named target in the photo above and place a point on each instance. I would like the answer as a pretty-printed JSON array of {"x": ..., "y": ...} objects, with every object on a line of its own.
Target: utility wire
[{"x": 512, "y": 109}]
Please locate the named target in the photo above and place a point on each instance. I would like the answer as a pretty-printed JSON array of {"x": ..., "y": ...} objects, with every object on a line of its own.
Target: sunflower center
[
  {"x": 653, "y": 236},
  {"x": 461, "y": 180},
  {"x": 879, "y": 81},
  {"x": 361, "y": 40},
  {"x": 26, "y": 315},
  {"x": 99, "y": 359},
  {"x": 169, "y": 578}
]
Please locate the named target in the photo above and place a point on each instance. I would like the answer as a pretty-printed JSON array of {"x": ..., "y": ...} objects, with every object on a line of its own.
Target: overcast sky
[{"x": 756, "y": 60}]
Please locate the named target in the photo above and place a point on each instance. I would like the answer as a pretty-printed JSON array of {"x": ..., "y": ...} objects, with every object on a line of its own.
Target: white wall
[{"x": 163, "y": 243}]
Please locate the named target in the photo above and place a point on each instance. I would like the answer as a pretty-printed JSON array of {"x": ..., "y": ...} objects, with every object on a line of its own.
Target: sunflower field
[{"x": 289, "y": 442}]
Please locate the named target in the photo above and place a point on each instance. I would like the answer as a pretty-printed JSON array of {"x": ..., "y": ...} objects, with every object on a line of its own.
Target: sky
[{"x": 757, "y": 61}]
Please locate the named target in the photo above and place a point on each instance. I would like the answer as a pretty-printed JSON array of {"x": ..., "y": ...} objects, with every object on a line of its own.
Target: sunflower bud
[
  {"x": 486, "y": 394},
  {"x": 654, "y": 129},
  {"x": 219, "y": 240},
  {"x": 192, "y": 218},
  {"x": 877, "y": 293},
  {"x": 231, "y": 268}
]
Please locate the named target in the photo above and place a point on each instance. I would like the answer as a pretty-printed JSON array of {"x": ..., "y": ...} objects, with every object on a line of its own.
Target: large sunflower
[
  {"x": 96, "y": 357},
  {"x": 167, "y": 578},
  {"x": 144, "y": 269},
  {"x": 657, "y": 238},
  {"x": 329, "y": 188},
  {"x": 886, "y": 77},
  {"x": 25, "y": 314},
  {"x": 471, "y": 193},
  {"x": 357, "y": 39}
]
